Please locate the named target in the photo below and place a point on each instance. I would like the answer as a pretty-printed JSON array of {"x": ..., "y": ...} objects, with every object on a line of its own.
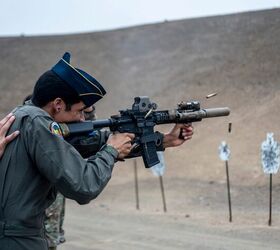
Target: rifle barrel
[
  {"x": 216, "y": 112},
  {"x": 202, "y": 113},
  {"x": 183, "y": 116}
]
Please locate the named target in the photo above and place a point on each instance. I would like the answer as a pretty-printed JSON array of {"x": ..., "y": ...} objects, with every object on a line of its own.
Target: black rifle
[{"x": 141, "y": 120}]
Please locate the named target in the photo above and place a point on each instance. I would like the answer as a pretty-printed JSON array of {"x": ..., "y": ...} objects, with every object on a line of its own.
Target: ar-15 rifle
[{"x": 141, "y": 120}]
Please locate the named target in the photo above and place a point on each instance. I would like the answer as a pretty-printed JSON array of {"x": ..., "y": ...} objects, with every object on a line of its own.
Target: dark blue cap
[{"x": 87, "y": 87}]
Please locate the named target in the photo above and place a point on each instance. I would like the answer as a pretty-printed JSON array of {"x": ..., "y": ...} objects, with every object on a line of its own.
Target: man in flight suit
[{"x": 39, "y": 161}]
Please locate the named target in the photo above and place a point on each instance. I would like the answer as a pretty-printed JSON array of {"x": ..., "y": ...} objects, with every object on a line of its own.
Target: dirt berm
[{"x": 236, "y": 56}]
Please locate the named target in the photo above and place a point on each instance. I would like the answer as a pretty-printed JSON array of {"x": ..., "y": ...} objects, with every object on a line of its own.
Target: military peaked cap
[{"x": 87, "y": 87}]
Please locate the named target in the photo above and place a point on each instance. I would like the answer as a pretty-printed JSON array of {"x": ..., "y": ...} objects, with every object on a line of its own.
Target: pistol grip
[{"x": 181, "y": 134}]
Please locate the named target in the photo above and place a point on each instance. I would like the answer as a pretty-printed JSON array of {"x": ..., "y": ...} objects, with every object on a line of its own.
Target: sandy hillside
[{"x": 236, "y": 56}]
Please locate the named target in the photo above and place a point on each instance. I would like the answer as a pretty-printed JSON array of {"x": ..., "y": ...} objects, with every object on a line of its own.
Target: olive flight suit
[
  {"x": 34, "y": 166},
  {"x": 86, "y": 146}
]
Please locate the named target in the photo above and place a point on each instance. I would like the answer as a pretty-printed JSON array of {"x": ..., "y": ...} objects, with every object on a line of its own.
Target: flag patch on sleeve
[{"x": 55, "y": 129}]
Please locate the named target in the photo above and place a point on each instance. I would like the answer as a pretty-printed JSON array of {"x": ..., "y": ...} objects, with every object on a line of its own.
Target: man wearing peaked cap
[{"x": 39, "y": 162}]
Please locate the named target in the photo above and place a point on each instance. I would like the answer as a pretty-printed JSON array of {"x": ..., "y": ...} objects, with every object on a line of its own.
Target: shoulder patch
[{"x": 55, "y": 129}]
